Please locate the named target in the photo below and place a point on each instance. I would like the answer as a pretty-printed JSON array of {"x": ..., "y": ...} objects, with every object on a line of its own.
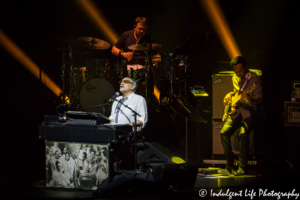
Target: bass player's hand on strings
[{"x": 227, "y": 98}]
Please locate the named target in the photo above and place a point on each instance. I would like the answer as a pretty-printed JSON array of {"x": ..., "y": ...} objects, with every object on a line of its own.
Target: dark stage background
[{"x": 266, "y": 32}]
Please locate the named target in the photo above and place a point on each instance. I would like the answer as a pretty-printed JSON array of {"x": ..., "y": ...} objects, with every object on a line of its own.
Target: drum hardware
[
  {"x": 66, "y": 49},
  {"x": 87, "y": 71},
  {"x": 63, "y": 67},
  {"x": 86, "y": 43},
  {"x": 83, "y": 75},
  {"x": 96, "y": 67},
  {"x": 79, "y": 70},
  {"x": 130, "y": 73},
  {"x": 172, "y": 79},
  {"x": 178, "y": 77},
  {"x": 64, "y": 72},
  {"x": 181, "y": 56},
  {"x": 74, "y": 82},
  {"x": 91, "y": 43},
  {"x": 181, "y": 64},
  {"x": 145, "y": 47},
  {"x": 103, "y": 68},
  {"x": 171, "y": 83},
  {"x": 146, "y": 77},
  {"x": 72, "y": 79},
  {"x": 156, "y": 58}
]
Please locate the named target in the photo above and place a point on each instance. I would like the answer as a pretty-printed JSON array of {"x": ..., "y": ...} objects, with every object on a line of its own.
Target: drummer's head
[
  {"x": 140, "y": 26},
  {"x": 128, "y": 85}
]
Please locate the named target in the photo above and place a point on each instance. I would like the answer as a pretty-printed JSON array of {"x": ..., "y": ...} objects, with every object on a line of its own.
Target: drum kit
[{"x": 90, "y": 77}]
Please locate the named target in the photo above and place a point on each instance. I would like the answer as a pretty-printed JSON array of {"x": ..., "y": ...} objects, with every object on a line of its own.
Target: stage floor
[{"x": 26, "y": 182}]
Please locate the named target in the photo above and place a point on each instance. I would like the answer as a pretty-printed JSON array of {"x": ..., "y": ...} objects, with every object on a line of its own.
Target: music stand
[{"x": 191, "y": 114}]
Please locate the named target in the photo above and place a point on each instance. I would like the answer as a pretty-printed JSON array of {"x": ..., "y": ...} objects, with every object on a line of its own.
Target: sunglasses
[{"x": 125, "y": 81}]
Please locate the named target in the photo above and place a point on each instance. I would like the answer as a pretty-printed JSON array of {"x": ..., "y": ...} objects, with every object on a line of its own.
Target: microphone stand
[
  {"x": 135, "y": 131},
  {"x": 105, "y": 104},
  {"x": 103, "y": 108}
]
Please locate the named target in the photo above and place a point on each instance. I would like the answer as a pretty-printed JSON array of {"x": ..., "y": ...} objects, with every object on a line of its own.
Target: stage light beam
[
  {"x": 98, "y": 19},
  {"x": 20, "y": 56},
  {"x": 156, "y": 93},
  {"x": 218, "y": 20}
]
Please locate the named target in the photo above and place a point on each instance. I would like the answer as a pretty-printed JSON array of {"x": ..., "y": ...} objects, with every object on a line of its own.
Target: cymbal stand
[
  {"x": 87, "y": 64},
  {"x": 146, "y": 76},
  {"x": 150, "y": 76},
  {"x": 93, "y": 63},
  {"x": 186, "y": 66},
  {"x": 63, "y": 67},
  {"x": 72, "y": 79},
  {"x": 182, "y": 63},
  {"x": 185, "y": 75},
  {"x": 171, "y": 82},
  {"x": 100, "y": 68},
  {"x": 173, "y": 66}
]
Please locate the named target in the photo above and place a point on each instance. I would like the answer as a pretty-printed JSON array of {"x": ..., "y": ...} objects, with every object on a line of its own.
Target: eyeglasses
[{"x": 125, "y": 81}]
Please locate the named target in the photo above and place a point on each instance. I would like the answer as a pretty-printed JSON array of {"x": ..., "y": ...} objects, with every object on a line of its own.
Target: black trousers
[{"x": 230, "y": 126}]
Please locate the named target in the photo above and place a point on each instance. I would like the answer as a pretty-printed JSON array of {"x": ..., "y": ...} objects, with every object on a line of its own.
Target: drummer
[{"x": 135, "y": 36}]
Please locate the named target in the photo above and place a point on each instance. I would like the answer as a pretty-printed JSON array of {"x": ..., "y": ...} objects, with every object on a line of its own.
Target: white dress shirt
[{"x": 125, "y": 116}]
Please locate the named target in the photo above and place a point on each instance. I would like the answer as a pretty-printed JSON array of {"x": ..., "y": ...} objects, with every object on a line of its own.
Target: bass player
[{"x": 248, "y": 108}]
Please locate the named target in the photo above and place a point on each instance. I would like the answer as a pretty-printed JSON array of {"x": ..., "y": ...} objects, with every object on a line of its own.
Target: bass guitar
[{"x": 230, "y": 108}]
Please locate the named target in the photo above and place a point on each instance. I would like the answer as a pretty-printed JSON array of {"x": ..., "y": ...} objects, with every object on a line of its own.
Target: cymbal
[
  {"x": 144, "y": 46},
  {"x": 90, "y": 42},
  {"x": 87, "y": 43}
]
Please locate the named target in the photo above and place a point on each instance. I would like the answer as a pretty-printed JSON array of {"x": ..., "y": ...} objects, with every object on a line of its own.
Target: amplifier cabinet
[
  {"x": 235, "y": 143},
  {"x": 292, "y": 113},
  {"x": 217, "y": 145},
  {"x": 221, "y": 85}
]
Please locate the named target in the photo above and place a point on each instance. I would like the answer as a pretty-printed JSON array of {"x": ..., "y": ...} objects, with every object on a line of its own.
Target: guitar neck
[
  {"x": 226, "y": 109},
  {"x": 236, "y": 98}
]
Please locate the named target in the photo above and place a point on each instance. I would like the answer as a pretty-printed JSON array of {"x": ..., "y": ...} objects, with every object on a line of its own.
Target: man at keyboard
[{"x": 122, "y": 115}]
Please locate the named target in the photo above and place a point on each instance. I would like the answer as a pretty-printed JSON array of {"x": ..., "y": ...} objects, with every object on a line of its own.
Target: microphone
[{"x": 113, "y": 97}]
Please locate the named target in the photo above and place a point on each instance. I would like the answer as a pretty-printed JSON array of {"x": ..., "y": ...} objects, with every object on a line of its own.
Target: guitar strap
[{"x": 247, "y": 77}]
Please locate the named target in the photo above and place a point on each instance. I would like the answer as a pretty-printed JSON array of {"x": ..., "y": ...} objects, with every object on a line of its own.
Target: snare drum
[{"x": 96, "y": 91}]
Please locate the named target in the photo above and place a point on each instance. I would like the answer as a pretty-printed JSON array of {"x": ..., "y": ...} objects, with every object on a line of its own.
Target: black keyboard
[{"x": 79, "y": 133}]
